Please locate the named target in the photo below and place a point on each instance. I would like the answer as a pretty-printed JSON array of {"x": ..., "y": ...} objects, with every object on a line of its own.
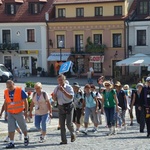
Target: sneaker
[
  {"x": 42, "y": 139},
  {"x": 7, "y": 139},
  {"x": 26, "y": 141},
  {"x": 95, "y": 131},
  {"x": 10, "y": 145},
  {"x": 85, "y": 131},
  {"x": 77, "y": 131},
  {"x": 20, "y": 137}
]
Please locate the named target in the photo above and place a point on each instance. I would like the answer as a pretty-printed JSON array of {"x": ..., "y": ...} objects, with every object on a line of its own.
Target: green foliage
[
  {"x": 94, "y": 48},
  {"x": 52, "y": 71},
  {"x": 30, "y": 84},
  {"x": 133, "y": 86}
]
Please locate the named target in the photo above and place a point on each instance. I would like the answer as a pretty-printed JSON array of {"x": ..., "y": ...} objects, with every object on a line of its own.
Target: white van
[{"x": 5, "y": 74}]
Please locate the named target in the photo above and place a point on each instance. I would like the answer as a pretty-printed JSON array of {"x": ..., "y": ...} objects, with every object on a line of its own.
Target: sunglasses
[{"x": 107, "y": 84}]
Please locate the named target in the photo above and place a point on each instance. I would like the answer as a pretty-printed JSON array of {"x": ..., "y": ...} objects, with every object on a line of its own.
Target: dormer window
[
  {"x": 35, "y": 8},
  {"x": 11, "y": 9}
]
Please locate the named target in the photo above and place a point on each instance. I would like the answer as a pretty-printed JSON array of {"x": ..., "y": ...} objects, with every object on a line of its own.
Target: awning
[{"x": 56, "y": 57}]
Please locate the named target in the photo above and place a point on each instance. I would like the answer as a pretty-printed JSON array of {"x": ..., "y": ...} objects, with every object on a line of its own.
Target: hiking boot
[
  {"x": 26, "y": 141},
  {"x": 10, "y": 145},
  {"x": 73, "y": 138}
]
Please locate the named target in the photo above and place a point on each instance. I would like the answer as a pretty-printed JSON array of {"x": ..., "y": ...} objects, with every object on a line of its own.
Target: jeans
[
  {"x": 40, "y": 121},
  {"x": 110, "y": 116}
]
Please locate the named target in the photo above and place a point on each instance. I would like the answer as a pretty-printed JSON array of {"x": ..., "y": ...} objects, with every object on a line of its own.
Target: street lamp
[{"x": 60, "y": 46}]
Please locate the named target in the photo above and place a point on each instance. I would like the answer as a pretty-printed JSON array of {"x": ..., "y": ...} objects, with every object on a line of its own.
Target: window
[
  {"x": 35, "y": 8},
  {"x": 30, "y": 35},
  {"x": 25, "y": 62},
  {"x": 79, "y": 43},
  {"x": 117, "y": 40},
  {"x": 80, "y": 12},
  {"x": 61, "y": 38},
  {"x": 6, "y": 36},
  {"x": 118, "y": 10},
  {"x": 61, "y": 12},
  {"x": 143, "y": 7},
  {"x": 11, "y": 9},
  {"x": 97, "y": 67},
  {"x": 98, "y": 39},
  {"x": 98, "y": 11},
  {"x": 141, "y": 37}
]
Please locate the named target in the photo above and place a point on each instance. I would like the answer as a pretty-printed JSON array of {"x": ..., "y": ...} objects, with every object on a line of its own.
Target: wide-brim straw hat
[
  {"x": 118, "y": 84},
  {"x": 107, "y": 82}
]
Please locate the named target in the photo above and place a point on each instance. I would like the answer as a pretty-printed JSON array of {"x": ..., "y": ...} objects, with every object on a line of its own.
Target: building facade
[
  {"x": 138, "y": 32},
  {"x": 92, "y": 32},
  {"x": 23, "y": 34}
]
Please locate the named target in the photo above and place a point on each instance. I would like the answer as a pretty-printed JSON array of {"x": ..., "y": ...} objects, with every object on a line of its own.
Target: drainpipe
[
  {"x": 48, "y": 47},
  {"x": 127, "y": 44}
]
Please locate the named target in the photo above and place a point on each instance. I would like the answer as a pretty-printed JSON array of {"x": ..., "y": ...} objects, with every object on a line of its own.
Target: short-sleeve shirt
[
  {"x": 109, "y": 100},
  {"x": 90, "y": 101},
  {"x": 61, "y": 98},
  {"x": 77, "y": 99},
  {"x": 121, "y": 99},
  {"x": 41, "y": 103},
  {"x": 11, "y": 94}
]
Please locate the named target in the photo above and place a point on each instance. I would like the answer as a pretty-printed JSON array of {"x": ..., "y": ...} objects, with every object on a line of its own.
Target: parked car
[{"x": 5, "y": 74}]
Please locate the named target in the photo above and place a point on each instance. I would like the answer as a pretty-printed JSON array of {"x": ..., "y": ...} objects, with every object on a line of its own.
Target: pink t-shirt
[{"x": 40, "y": 102}]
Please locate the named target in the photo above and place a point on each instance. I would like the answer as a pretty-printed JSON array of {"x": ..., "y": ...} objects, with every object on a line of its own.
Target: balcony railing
[{"x": 9, "y": 46}]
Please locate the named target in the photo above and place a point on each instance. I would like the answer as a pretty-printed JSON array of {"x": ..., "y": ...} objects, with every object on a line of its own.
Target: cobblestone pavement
[{"x": 129, "y": 139}]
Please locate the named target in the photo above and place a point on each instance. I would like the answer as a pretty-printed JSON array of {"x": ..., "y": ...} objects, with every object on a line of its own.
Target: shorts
[
  {"x": 88, "y": 112},
  {"x": 14, "y": 119}
]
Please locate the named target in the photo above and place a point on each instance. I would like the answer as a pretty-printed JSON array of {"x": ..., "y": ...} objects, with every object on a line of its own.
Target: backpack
[
  {"x": 44, "y": 94},
  {"x": 99, "y": 102}
]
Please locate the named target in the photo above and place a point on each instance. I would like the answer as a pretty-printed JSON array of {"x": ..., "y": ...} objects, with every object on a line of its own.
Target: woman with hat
[
  {"x": 78, "y": 101},
  {"x": 145, "y": 102},
  {"x": 122, "y": 101},
  {"x": 135, "y": 101},
  {"x": 110, "y": 104}
]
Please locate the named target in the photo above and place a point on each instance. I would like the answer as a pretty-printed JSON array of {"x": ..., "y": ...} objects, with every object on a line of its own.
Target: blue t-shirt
[
  {"x": 11, "y": 94},
  {"x": 89, "y": 101}
]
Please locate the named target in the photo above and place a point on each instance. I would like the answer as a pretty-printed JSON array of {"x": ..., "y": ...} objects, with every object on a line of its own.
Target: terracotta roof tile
[
  {"x": 23, "y": 15},
  {"x": 84, "y": 1}
]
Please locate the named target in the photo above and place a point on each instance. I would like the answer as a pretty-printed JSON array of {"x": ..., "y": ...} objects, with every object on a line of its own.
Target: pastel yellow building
[{"x": 90, "y": 29}]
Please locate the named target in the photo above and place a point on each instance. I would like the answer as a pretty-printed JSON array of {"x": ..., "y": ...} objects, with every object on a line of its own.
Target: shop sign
[
  {"x": 97, "y": 59},
  {"x": 32, "y": 51}
]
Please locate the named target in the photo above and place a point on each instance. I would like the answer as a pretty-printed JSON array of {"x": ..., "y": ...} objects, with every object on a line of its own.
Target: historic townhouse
[
  {"x": 23, "y": 37},
  {"x": 138, "y": 32},
  {"x": 91, "y": 33}
]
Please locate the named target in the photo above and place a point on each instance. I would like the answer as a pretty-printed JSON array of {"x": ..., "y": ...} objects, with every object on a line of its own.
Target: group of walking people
[{"x": 74, "y": 103}]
